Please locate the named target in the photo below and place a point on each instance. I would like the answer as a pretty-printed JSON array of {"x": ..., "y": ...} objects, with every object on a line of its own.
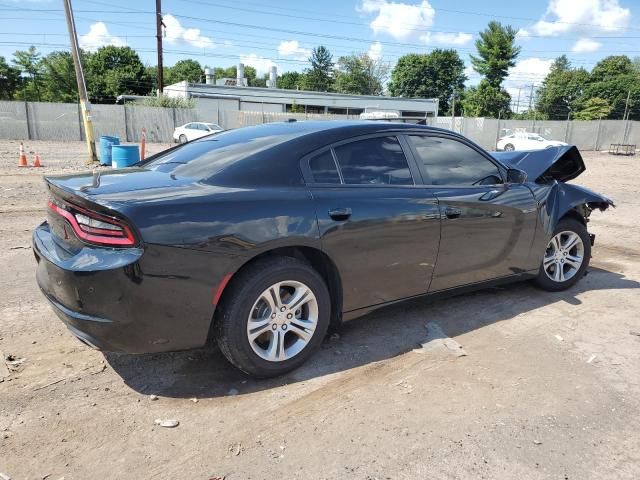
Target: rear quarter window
[{"x": 232, "y": 158}]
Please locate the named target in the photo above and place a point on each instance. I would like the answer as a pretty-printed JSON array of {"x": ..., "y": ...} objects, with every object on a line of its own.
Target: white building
[{"x": 217, "y": 102}]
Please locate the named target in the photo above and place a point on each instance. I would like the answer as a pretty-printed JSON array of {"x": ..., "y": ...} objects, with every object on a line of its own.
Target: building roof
[{"x": 279, "y": 95}]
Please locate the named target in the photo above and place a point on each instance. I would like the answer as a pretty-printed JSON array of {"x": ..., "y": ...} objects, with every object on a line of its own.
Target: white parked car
[
  {"x": 191, "y": 131},
  {"x": 526, "y": 141}
]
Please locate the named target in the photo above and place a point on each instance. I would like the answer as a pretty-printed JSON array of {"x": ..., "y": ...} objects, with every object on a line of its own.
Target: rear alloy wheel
[
  {"x": 182, "y": 138},
  {"x": 566, "y": 257},
  {"x": 509, "y": 147},
  {"x": 273, "y": 316}
]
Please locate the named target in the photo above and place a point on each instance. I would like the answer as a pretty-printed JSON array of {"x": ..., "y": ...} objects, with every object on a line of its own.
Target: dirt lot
[{"x": 550, "y": 386}]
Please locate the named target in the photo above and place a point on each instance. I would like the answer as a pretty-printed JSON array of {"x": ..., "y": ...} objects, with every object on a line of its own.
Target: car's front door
[
  {"x": 381, "y": 230},
  {"x": 487, "y": 225}
]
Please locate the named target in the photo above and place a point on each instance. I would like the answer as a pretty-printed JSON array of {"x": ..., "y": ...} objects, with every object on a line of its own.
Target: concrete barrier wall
[{"x": 62, "y": 121}]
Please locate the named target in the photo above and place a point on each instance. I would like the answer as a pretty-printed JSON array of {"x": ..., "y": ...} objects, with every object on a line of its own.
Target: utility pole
[
  {"x": 453, "y": 112},
  {"x": 82, "y": 87},
  {"x": 531, "y": 97},
  {"x": 159, "y": 25},
  {"x": 518, "y": 102}
]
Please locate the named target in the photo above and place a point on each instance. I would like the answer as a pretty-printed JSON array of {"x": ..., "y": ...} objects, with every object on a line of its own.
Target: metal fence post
[
  {"x": 26, "y": 116},
  {"x": 566, "y": 132},
  {"x": 598, "y": 135},
  {"x": 126, "y": 123},
  {"x": 80, "y": 129}
]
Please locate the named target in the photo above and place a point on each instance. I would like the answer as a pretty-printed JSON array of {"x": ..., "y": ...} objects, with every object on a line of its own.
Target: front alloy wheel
[{"x": 566, "y": 257}]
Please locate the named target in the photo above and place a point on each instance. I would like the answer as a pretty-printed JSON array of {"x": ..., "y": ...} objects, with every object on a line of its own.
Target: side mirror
[{"x": 516, "y": 176}]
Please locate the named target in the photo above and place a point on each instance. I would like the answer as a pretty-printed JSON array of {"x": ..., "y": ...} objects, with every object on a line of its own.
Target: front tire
[
  {"x": 182, "y": 139},
  {"x": 566, "y": 257},
  {"x": 509, "y": 147},
  {"x": 273, "y": 316}
]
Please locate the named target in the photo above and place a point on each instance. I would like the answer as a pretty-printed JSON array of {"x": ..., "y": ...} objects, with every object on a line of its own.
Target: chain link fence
[{"x": 60, "y": 121}]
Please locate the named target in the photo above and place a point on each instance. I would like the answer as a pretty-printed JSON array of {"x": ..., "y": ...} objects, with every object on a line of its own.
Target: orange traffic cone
[
  {"x": 23, "y": 157},
  {"x": 36, "y": 161}
]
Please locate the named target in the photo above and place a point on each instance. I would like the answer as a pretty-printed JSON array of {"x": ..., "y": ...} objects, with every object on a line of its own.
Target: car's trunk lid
[
  {"x": 94, "y": 192},
  {"x": 561, "y": 163}
]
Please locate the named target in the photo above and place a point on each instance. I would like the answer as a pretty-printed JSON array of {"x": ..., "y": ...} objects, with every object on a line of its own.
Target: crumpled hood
[{"x": 562, "y": 163}]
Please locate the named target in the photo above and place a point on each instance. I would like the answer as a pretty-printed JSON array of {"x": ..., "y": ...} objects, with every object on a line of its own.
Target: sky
[{"x": 262, "y": 33}]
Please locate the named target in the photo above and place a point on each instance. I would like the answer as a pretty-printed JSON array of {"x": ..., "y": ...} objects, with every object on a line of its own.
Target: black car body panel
[{"x": 202, "y": 211}]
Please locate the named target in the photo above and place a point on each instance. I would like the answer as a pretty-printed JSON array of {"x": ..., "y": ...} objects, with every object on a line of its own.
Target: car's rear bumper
[{"x": 112, "y": 300}]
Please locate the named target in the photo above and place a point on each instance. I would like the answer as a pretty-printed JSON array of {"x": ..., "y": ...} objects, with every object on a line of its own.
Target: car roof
[{"x": 306, "y": 136}]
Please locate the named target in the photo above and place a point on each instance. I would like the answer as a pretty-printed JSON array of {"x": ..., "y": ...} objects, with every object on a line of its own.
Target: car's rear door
[
  {"x": 487, "y": 225},
  {"x": 379, "y": 227}
]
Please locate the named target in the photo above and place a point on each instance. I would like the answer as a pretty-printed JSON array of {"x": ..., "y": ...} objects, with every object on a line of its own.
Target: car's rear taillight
[{"x": 93, "y": 227}]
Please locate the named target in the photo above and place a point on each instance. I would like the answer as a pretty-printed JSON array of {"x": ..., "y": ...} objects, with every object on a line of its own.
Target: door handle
[
  {"x": 490, "y": 195},
  {"x": 451, "y": 212},
  {"x": 340, "y": 214}
]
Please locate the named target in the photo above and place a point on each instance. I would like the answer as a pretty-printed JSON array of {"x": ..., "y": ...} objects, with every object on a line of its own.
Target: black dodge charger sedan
[{"x": 262, "y": 237}]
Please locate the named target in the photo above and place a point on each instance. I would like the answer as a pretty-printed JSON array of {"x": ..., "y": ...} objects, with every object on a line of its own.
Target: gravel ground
[{"x": 549, "y": 388}]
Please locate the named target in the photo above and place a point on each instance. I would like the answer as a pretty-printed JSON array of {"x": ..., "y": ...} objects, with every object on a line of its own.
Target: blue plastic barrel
[
  {"x": 106, "y": 143},
  {"x": 124, "y": 155}
]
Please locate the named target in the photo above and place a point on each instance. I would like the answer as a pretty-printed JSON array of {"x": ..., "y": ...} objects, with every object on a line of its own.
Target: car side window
[
  {"x": 323, "y": 168},
  {"x": 450, "y": 162},
  {"x": 373, "y": 161},
  {"x": 191, "y": 126}
]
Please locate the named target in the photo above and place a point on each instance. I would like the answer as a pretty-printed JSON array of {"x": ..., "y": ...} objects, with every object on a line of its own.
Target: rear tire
[
  {"x": 566, "y": 257},
  {"x": 509, "y": 147},
  {"x": 273, "y": 316},
  {"x": 182, "y": 139}
]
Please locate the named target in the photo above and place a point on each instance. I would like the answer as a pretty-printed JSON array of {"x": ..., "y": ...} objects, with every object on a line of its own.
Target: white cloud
[
  {"x": 99, "y": 36},
  {"x": 292, "y": 48},
  {"x": 261, "y": 64},
  {"x": 523, "y": 33},
  {"x": 399, "y": 20},
  {"x": 176, "y": 33},
  {"x": 528, "y": 71},
  {"x": 375, "y": 51},
  {"x": 584, "y": 17},
  {"x": 586, "y": 45},
  {"x": 404, "y": 22},
  {"x": 446, "y": 38}
]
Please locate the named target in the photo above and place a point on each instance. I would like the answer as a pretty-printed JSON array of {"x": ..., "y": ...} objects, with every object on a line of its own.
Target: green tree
[
  {"x": 485, "y": 100},
  {"x": 319, "y": 77},
  {"x": 29, "y": 63},
  {"x": 593, "y": 109},
  {"x": 113, "y": 71},
  {"x": 59, "y": 78},
  {"x": 184, "y": 70},
  {"x": 613, "y": 79},
  {"x": 9, "y": 80},
  {"x": 435, "y": 75},
  {"x": 562, "y": 90},
  {"x": 360, "y": 75},
  {"x": 290, "y": 80},
  {"x": 497, "y": 52}
]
